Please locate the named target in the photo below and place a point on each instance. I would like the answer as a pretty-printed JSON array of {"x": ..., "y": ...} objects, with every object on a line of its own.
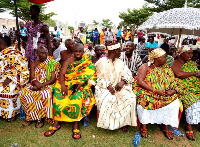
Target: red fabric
[{"x": 39, "y": 1}]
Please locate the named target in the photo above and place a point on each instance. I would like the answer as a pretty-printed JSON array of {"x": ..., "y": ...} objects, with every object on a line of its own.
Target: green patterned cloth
[{"x": 189, "y": 87}]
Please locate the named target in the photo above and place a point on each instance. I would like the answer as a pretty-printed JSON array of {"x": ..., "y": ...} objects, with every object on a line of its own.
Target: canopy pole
[
  {"x": 17, "y": 25},
  {"x": 179, "y": 38}
]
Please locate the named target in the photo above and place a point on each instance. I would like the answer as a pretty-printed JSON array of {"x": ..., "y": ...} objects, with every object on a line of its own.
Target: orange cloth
[{"x": 102, "y": 37}]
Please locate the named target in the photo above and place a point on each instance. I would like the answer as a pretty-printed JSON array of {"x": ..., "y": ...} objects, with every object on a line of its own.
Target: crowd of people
[{"x": 59, "y": 83}]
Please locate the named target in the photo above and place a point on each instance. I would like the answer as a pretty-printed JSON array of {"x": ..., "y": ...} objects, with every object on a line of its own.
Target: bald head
[{"x": 69, "y": 44}]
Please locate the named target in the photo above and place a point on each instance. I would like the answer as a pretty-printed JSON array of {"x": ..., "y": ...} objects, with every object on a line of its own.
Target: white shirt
[{"x": 56, "y": 53}]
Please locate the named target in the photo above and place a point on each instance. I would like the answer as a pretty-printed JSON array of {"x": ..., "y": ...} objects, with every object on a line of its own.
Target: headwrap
[
  {"x": 156, "y": 53},
  {"x": 114, "y": 47},
  {"x": 184, "y": 48}
]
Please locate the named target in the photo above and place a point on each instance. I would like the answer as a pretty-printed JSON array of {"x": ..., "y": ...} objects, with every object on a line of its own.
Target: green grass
[{"x": 91, "y": 136}]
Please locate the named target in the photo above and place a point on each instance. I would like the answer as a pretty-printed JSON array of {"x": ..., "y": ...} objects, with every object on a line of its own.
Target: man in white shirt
[
  {"x": 90, "y": 49},
  {"x": 115, "y": 99},
  {"x": 57, "y": 48}
]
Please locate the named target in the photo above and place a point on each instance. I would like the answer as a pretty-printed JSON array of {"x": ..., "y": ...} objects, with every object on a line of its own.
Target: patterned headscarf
[
  {"x": 184, "y": 48},
  {"x": 156, "y": 53}
]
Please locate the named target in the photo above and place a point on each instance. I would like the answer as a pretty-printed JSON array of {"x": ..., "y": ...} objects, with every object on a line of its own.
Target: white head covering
[{"x": 113, "y": 47}]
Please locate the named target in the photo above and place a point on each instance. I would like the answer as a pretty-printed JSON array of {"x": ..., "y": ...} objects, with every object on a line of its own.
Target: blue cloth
[
  {"x": 95, "y": 35},
  {"x": 22, "y": 31},
  {"x": 151, "y": 45},
  {"x": 119, "y": 33}
]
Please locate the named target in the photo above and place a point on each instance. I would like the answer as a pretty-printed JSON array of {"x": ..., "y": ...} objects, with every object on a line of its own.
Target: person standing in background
[
  {"x": 102, "y": 37},
  {"x": 37, "y": 35},
  {"x": 95, "y": 36},
  {"x": 140, "y": 35},
  {"x": 22, "y": 28},
  {"x": 119, "y": 33}
]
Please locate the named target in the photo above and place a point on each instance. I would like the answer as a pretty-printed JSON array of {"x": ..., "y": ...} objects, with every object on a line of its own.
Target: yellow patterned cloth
[
  {"x": 79, "y": 103},
  {"x": 38, "y": 104},
  {"x": 13, "y": 66},
  {"x": 156, "y": 53},
  {"x": 159, "y": 78},
  {"x": 190, "y": 87}
]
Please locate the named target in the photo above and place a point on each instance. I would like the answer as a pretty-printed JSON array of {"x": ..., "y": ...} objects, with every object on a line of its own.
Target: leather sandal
[
  {"x": 190, "y": 135},
  {"x": 142, "y": 131},
  {"x": 39, "y": 124},
  {"x": 26, "y": 123},
  {"x": 51, "y": 131},
  {"x": 76, "y": 134},
  {"x": 11, "y": 119},
  {"x": 168, "y": 134},
  {"x": 50, "y": 121}
]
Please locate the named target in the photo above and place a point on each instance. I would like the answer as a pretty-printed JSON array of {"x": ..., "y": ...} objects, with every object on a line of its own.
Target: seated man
[
  {"x": 36, "y": 97},
  {"x": 98, "y": 53},
  {"x": 90, "y": 49},
  {"x": 131, "y": 58},
  {"x": 66, "y": 54},
  {"x": 115, "y": 100},
  {"x": 13, "y": 74},
  {"x": 57, "y": 48},
  {"x": 73, "y": 98}
]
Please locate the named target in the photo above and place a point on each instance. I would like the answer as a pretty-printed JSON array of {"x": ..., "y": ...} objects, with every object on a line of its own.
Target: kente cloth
[
  {"x": 13, "y": 66},
  {"x": 78, "y": 102},
  {"x": 156, "y": 53},
  {"x": 134, "y": 63},
  {"x": 118, "y": 110},
  {"x": 38, "y": 104},
  {"x": 168, "y": 115},
  {"x": 35, "y": 38},
  {"x": 159, "y": 78},
  {"x": 190, "y": 87}
]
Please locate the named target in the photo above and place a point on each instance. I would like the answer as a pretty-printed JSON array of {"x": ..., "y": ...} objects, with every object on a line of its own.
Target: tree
[
  {"x": 95, "y": 22},
  {"x": 164, "y": 5},
  {"x": 135, "y": 17},
  {"x": 106, "y": 23},
  {"x": 23, "y": 9},
  {"x": 70, "y": 28},
  {"x": 50, "y": 22}
]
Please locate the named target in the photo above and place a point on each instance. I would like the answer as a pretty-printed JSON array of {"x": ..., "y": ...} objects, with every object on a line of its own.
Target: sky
[{"x": 89, "y": 10}]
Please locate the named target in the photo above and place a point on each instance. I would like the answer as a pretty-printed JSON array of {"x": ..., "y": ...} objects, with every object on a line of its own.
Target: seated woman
[
  {"x": 73, "y": 97},
  {"x": 13, "y": 74},
  {"x": 156, "y": 95},
  {"x": 188, "y": 75},
  {"x": 36, "y": 97}
]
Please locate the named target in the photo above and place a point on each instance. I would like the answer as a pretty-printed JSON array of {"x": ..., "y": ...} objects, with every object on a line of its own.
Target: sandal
[
  {"x": 51, "y": 131},
  {"x": 39, "y": 124},
  {"x": 143, "y": 133},
  {"x": 168, "y": 134},
  {"x": 124, "y": 129},
  {"x": 190, "y": 135},
  {"x": 50, "y": 121},
  {"x": 76, "y": 134},
  {"x": 11, "y": 119},
  {"x": 26, "y": 123}
]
